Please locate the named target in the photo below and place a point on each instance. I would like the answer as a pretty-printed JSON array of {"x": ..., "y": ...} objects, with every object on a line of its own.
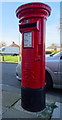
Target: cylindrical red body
[{"x": 32, "y": 25}]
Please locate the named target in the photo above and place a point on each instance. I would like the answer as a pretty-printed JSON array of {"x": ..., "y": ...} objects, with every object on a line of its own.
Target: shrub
[{"x": 48, "y": 52}]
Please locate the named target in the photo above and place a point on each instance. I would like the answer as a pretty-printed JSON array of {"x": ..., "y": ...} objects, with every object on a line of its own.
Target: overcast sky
[{"x": 9, "y": 23}]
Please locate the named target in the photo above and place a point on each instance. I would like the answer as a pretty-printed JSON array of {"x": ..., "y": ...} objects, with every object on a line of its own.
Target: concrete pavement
[
  {"x": 11, "y": 106},
  {"x": 57, "y": 114}
]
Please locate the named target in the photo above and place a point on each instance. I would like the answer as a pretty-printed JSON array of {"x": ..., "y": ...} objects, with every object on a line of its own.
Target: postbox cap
[{"x": 33, "y": 9}]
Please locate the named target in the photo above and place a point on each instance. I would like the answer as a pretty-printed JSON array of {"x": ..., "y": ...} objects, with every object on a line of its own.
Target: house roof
[
  {"x": 52, "y": 46},
  {"x": 14, "y": 45}
]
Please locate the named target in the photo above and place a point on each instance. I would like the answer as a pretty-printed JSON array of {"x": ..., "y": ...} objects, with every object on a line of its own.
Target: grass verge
[{"x": 14, "y": 59}]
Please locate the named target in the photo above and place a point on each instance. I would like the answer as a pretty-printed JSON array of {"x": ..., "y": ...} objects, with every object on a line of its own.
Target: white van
[{"x": 9, "y": 51}]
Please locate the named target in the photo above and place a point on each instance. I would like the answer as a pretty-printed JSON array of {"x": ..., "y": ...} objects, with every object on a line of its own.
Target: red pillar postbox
[{"x": 32, "y": 25}]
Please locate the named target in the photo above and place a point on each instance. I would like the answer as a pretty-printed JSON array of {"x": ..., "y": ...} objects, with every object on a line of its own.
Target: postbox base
[{"x": 33, "y": 99}]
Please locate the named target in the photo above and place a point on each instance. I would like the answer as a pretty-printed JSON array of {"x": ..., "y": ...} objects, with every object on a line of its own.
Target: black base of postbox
[{"x": 33, "y": 100}]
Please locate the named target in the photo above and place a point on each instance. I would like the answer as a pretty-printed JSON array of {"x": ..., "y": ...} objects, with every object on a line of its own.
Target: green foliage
[
  {"x": 55, "y": 51},
  {"x": 47, "y": 112},
  {"x": 0, "y": 58},
  {"x": 48, "y": 52},
  {"x": 51, "y": 52},
  {"x": 52, "y": 105}
]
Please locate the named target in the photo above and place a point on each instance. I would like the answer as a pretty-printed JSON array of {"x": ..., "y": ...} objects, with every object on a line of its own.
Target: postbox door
[{"x": 32, "y": 65}]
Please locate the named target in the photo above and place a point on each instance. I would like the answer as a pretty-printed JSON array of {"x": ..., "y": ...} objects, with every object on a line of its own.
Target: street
[{"x": 8, "y": 75}]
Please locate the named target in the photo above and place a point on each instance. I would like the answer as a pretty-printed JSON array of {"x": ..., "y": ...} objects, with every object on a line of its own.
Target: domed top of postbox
[{"x": 33, "y": 10}]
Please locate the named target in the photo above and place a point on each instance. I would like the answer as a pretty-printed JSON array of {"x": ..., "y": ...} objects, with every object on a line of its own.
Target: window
[{"x": 3, "y": 49}]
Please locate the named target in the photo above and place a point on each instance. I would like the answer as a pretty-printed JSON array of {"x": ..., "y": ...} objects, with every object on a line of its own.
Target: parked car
[
  {"x": 53, "y": 70},
  {"x": 9, "y": 51}
]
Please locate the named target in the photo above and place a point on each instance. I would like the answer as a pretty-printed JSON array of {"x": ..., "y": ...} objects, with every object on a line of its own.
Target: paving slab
[
  {"x": 0, "y": 117},
  {"x": 10, "y": 95},
  {"x": 10, "y": 88},
  {"x": 50, "y": 98},
  {"x": 13, "y": 113},
  {"x": 4, "y": 109},
  {"x": 0, "y": 110},
  {"x": 0, "y": 102},
  {"x": 57, "y": 113},
  {"x": 9, "y": 98},
  {"x": 18, "y": 112}
]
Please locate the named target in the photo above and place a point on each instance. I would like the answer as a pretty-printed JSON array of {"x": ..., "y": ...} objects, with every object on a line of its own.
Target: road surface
[{"x": 8, "y": 74}]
